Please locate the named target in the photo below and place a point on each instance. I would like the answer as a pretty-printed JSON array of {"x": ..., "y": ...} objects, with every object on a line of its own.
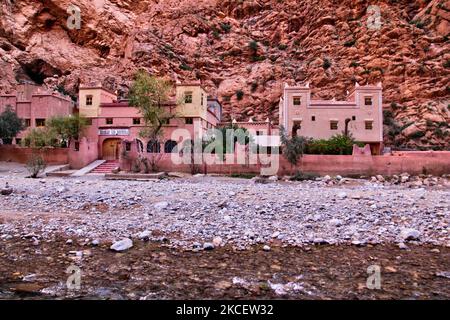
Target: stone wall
[{"x": 21, "y": 155}]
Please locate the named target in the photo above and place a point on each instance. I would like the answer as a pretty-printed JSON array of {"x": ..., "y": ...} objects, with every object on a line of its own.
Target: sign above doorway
[{"x": 114, "y": 132}]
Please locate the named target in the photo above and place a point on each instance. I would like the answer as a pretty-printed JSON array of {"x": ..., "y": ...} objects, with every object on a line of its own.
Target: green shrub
[
  {"x": 35, "y": 165},
  {"x": 225, "y": 26},
  {"x": 326, "y": 64},
  {"x": 282, "y": 46},
  {"x": 447, "y": 64},
  {"x": 350, "y": 43},
  {"x": 185, "y": 67},
  {"x": 239, "y": 94},
  {"x": 303, "y": 176},
  {"x": 339, "y": 144}
]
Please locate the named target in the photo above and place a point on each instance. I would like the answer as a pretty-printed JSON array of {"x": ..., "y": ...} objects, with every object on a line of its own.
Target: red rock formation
[{"x": 251, "y": 46}]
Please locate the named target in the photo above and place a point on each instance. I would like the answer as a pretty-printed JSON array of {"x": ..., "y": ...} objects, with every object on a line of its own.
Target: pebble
[{"x": 122, "y": 245}]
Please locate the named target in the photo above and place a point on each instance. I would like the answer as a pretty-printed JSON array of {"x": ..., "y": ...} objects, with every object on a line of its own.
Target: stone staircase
[{"x": 106, "y": 167}]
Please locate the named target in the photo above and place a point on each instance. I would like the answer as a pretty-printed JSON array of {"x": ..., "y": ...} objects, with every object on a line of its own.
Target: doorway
[{"x": 111, "y": 149}]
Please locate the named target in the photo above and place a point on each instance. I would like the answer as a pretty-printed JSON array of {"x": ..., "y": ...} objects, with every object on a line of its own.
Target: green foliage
[
  {"x": 67, "y": 128},
  {"x": 339, "y": 144},
  {"x": 239, "y": 94},
  {"x": 40, "y": 138},
  {"x": 326, "y": 63},
  {"x": 35, "y": 165},
  {"x": 303, "y": 176},
  {"x": 293, "y": 147},
  {"x": 417, "y": 135},
  {"x": 354, "y": 64},
  {"x": 185, "y": 67},
  {"x": 253, "y": 46},
  {"x": 447, "y": 63},
  {"x": 10, "y": 124},
  {"x": 149, "y": 94},
  {"x": 350, "y": 43},
  {"x": 225, "y": 26},
  {"x": 282, "y": 46}
]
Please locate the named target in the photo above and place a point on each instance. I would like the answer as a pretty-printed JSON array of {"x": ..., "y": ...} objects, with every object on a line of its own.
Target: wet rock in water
[
  {"x": 410, "y": 234},
  {"x": 122, "y": 245},
  {"x": 208, "y": 246},
  {"x": 7, "y": 190}
]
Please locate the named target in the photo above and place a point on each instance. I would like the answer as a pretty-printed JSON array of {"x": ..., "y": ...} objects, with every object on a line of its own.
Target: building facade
[
  {"x": 114, "y": 121},
  {"x": 360, "y": 115},
  {"x": 35, "y": 106}
]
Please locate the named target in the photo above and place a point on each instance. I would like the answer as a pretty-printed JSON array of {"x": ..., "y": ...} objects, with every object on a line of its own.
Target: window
[
  {"x": 170, "y": 146},
  {"x": 202, "y": 99},
  {"x": 353, "y": 118},
  {"x": 333, "y": 125},
  {"x": 27, "y": 123},
  {"x": 136, "y": 120},
  {"x": 140, "y": 146},
  {"x": 188, "y": 97},
  {"x": 89, "y": 100},
  {"x": 297, "y": 101},
  {"x": 40, "y": 122},
  {"x": 259, "y": 133},
  {"x": 368, "y": 101},
  {"x": 369, "y": 125},
  {"x": 189, "y": 120},
  {"x": 153, "y": 147},
  {"x": 109, "y": 121},
  {"x": 313, "y": 118},
  {"x": 77, "y": 146},
  {"x": 127, "y": 146}
]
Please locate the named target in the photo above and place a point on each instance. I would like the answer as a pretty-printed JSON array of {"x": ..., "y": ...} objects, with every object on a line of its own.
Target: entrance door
[{"x": 111, "y": 149}]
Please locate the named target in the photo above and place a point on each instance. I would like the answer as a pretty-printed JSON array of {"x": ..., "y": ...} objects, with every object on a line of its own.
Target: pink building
[
  {"x": 35, "y": 105},
  {"x": 113, "y": 122},
  {"x": 360, "y": 114}
]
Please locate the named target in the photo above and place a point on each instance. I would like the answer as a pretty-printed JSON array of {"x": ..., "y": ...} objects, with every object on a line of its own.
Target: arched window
[
  {"x": 153, "y": 147},
  {"x": 170, "y": 146},
  {"x": 140, "y": 146}
]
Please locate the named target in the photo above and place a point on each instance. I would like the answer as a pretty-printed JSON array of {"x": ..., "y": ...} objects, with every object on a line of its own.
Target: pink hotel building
[{"x": 112, "y": 121}]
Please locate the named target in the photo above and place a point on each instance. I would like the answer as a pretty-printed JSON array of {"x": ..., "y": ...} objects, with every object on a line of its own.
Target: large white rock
[
  {"x": 410, "y": 234},
  {"x": 161, "y": 205},
  {"x": 122, "y": 245}
]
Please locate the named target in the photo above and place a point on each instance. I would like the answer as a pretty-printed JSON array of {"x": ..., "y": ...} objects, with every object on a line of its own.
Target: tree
[
  {"x": 40, "y": 138},
  {"x": 35, "y": 165},
  {"x": 67, "y": 128},
  {"x": 293, "y": 148},
  {"x": 149, "y": 94},
  {"x": 10, "y": 124}
]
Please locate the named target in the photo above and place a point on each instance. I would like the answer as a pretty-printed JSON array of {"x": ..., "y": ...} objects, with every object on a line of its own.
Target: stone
[
  {"x": 161, "y": 205},
  {"x": 402, "y": 246},
  {"x": 273, "y": 178},
  {"x": 380, "y": 178},
  {"x": 122, "y": 245},
  {"x": 7, "y": 190},
  {"x": 144, "y": 235},
  {"x": 336, "y": 222},
  {"x": 266, "y": 248},
  {"x": 410, "y": 234},
  {"x": 326, "y": 178},
  {"x": 208, "y": 246},
  {"x": 217, "y": 241},
  {"x": 342, "y": 195}
]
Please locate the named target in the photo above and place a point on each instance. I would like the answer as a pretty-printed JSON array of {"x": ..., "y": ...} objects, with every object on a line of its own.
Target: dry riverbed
[{"x": 209, "y": 237}]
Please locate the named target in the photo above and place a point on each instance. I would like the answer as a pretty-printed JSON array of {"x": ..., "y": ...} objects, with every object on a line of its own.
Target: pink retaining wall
[
  {"x": 436, "y": 163},
  {"x": 21, "y": 155},
  {"x": 86, "y": 153}
]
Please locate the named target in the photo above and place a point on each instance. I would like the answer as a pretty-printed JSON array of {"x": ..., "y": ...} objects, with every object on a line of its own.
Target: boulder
[
  {"x": 122, "y": 245},
  {"x": 410, "y": 234}
]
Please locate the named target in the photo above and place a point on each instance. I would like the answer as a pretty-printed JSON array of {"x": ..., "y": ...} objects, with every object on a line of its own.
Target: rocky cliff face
[{"x": 244, "y": 51}]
